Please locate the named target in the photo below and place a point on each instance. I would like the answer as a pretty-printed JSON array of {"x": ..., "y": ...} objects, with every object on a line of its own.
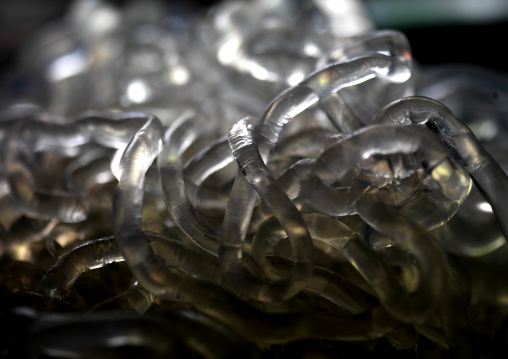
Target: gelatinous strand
[
  {"x": 300, "y": 183},
  {"x": 472, "y": 93},
  {"x": 324, "y": 282},
  {"x": 177, "y": 139},
  {"x": 245, "y": 39},
  {"x": 208, "y": 298},
  {"x": 135, "y": 298},
  {"x": 280, "y": 328},
  {"x": 18, "y": 111},
  {"x": 292, "y": 179},
  {"x": 305, "y": 143},
  {"x": 155, "y": 216},
  {"x": 266, "y": 328},
  {"x": 351, "y": 109},
  {"x": 325, "y": 199},
  {"x": 22, "y": 179},
  {"x": 255, "y": 325},
  {"x": 429, "y": 208},
  {"x": 289, "y": 104},
  {"x": 405, "y": 306},
  {"x": 339, "y": 113},
  {"x": 209, "y": 160},
  {"x": 127, "y": 211},
  {"x": 207, "y": 336},
  {"x": 336, "y": 76},
  {"x": 32, "y": 135},
  {"x": 339, "y": 291},
  {"x": 176, "y": 254},
  {"x": 107, "y": 129},
  {"x": 388, "y": 42},
  {"x": 461, "y": 143},
  {"x": 404, "y": 186},
  {"x": 85, "y": 257},
  {"x": 231, "y": 249},
  {"x": 100, "y": 336},
  {"x": 463, "y": 236},
  {"x": 223, "y": 67},
  {"x": 426, "y": 147},
  {"x": 319, "y": 84},
  {"x": 91, "y": 168},
  {"x": 149, "y": 269}
]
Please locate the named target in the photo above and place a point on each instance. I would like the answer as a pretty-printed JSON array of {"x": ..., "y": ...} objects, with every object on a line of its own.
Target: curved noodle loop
[{"x": 258, "y": 182}]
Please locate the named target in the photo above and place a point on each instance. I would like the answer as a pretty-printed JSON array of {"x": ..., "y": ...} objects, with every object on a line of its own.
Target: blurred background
[{"x": 440, "y": 31}]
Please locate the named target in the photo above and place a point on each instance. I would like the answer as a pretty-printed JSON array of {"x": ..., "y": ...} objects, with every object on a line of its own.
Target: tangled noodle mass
[{"x": 255, "y": 182}]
